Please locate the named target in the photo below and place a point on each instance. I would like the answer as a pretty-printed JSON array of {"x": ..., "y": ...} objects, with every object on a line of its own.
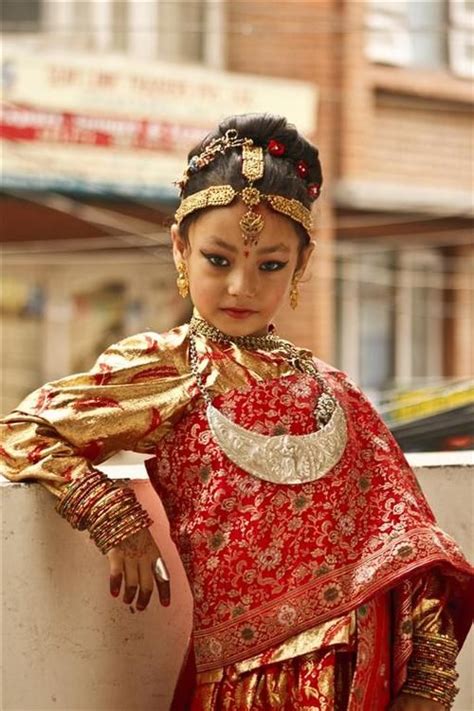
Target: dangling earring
[
  {"x": 294, "y": 295},
  {"x": 182, "y": 280}
]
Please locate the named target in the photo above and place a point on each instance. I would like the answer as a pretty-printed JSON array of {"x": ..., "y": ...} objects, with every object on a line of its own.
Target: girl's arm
[{"x": 61, "y": 432}]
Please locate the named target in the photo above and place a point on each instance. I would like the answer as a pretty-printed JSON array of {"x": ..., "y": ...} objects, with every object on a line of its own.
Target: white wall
[{"x": 69, "y": 646}]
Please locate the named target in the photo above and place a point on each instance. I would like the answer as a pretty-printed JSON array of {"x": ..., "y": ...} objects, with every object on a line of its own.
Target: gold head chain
[{"x": 252, "y": 222}]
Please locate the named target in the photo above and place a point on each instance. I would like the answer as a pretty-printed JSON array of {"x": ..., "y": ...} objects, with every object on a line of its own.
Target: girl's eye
[
  {"x": 216, "y": 260},
  {"x": 272, "y": 266}
]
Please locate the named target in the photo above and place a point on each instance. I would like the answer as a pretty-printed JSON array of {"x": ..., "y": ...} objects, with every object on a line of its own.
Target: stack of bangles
[
  {"x": 108, "y": 511},
  {"x": 431, "y": 669}
]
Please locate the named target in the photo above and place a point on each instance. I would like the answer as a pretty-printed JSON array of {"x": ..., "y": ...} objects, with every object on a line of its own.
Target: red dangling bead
[
  {"x": 302, "y": 169},
  {"x": 314, "y": 190},
  {"x": 276, "y": 148}
]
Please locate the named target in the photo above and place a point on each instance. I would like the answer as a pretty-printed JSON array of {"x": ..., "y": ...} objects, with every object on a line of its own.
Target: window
[
  {"x": 427, "y": 27},
  {"x": 176, "y": 30},
  {"x": 461, "y": 37},
  {"x": 390, "y": 316},
  {"x": 422, "y": 33},
  {"x": 388, "y": 38},
  {"x": 462, "y": 13},
  {"x": 366, "y": 326},
  {"x": 20, "y": 15},
  {"x": 180, "y": 30},
  {"x": 167, "y": 30},
  {"x": 420, "y": 314},
  {"x": 119, "y": 24},
  {"x": 376, "y": 333}
]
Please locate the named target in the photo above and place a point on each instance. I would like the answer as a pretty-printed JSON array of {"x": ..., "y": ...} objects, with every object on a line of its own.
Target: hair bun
[{"x": 292, "y": 168}]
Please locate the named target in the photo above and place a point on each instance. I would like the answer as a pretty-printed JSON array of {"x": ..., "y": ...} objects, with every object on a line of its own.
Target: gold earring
[
  {"x": 182, "y": 280},
  {"x": 294, "y": 295}
]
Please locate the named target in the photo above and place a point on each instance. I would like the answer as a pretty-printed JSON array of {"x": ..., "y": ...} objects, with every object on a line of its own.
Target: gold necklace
[
  {"x": 204, "y": 328},
  {"x": 302, "y": 362}
]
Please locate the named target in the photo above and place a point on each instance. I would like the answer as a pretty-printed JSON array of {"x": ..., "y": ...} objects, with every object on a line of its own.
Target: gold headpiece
[{"x": 253, "y": 165}]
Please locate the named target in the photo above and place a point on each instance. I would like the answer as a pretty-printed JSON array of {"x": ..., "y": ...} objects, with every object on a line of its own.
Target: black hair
[{"x": 281, "y": 176}]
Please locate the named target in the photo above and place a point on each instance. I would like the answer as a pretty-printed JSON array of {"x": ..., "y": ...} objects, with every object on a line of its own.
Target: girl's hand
[
  {"x": 134, "y": 561},
  {"x": 410, "y": 702}
]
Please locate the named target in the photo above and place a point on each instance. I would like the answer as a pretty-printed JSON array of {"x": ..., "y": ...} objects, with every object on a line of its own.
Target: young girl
[{"x": 320, "y": 579}]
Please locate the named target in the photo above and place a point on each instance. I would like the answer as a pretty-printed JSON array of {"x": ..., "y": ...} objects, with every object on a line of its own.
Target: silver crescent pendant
[{"x": 281, "y": 459}]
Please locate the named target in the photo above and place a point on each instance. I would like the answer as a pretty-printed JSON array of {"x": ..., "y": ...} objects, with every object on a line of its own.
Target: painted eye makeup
[
  {"x": 216, "y": 260},
  {"x": 273, "y": 266}
]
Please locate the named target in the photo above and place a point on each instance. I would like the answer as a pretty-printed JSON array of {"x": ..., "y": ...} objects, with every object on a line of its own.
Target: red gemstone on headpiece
[
  {"x": 314, "y": 190},
  {"x": 302, "y": 169},
  {"x": 276, "y": 148}
]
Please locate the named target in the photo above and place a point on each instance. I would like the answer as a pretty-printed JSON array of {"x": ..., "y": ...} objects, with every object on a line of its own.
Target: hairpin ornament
[
  {"x": 314, "y": 191},
  {"x": 276, "y": 148},
  {"x": 302, "y": 169},
  {"x": 218, "y": 146}
]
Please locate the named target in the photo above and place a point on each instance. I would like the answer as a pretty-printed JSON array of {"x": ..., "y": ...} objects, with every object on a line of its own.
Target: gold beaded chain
[{"x": 304, "y": 363}]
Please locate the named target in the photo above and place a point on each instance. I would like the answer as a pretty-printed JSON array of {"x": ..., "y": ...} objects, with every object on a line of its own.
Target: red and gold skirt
[{"x": 319, "y": 681}]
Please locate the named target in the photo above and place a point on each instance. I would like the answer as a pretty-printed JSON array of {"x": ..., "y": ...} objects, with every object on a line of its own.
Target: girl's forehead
[{"x": 223, "y": 223}]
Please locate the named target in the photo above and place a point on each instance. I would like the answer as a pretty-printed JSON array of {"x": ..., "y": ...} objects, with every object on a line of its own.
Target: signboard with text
[{"x": 112, "y": 125}]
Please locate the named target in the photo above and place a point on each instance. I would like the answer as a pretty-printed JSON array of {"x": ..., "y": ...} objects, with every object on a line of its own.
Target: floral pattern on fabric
[
  {"x": 266, "y": 561},
  {"x": 132, "y": 396}
]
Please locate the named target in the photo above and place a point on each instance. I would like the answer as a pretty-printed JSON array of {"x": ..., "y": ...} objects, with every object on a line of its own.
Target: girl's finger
[
  {"x": 131, "y": 580},
  {"x": 143, "y": 598},
  {"x": 129, "y": 594},
  {"x": 116, "y": 572},
  {"x": 115, "y": 584},
  {"x": 145, "y": 576}
]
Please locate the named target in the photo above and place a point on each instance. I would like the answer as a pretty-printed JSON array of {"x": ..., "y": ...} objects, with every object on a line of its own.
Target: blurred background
[{"x": 101, "y": 101}]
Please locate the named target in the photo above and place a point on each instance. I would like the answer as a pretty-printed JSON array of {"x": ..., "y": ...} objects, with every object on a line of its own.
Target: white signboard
[{"x": 119, "y": 126}]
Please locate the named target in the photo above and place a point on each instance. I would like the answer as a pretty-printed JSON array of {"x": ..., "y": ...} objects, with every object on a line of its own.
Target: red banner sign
[{"x": 21, "y": 123}]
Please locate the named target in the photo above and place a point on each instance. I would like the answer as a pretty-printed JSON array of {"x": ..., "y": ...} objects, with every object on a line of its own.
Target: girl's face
[{"x": 224, "y": 274}]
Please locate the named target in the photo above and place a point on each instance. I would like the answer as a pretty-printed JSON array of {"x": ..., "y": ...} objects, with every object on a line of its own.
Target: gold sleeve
[
  {"x": 127, "y": 401},
  {"x": 430, "y": 614}
]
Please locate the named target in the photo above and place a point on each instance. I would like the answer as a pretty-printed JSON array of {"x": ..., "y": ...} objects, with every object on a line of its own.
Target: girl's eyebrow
[{"x": 264, "y": 250}]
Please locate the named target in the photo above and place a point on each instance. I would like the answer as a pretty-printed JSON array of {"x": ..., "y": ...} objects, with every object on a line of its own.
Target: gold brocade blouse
[{"x": 132, "y": 396}]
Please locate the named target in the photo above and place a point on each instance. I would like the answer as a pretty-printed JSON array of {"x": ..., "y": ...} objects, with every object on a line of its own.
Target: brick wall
[{"x": 420, "y": 142}]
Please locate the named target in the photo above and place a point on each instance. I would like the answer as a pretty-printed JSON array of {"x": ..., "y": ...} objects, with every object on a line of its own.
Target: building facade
[{"x": 390, "y": 294}]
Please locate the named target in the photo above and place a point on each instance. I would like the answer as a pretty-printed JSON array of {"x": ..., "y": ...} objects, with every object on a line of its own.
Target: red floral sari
[{"x": 268, "y": 563}]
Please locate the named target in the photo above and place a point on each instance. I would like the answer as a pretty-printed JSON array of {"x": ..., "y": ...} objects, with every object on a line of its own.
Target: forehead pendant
[{"x": 251, "y": 223}]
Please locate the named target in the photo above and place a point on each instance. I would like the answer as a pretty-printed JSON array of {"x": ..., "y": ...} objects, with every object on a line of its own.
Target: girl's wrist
[
  {"x": 432, "y": 669},
  {"x": 108, "y": 511}
]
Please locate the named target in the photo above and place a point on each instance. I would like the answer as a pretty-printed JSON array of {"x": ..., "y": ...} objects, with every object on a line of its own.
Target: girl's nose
[{"x": 241, "y": 284}]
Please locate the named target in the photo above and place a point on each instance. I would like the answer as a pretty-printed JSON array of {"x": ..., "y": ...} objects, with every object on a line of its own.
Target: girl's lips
[{"x": 238, "y": 313}]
